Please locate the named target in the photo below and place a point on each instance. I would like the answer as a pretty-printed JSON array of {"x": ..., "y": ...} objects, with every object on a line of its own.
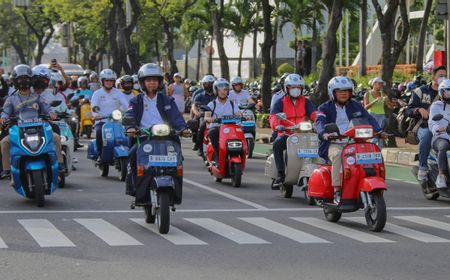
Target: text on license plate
[
  {"x": 163, "y": 160},
  {"x": 308, "y": 153},
  {"x": 369, "y": 158}
]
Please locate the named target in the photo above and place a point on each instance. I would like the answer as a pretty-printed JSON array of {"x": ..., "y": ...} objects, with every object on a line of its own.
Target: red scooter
[
  {"x": 363, "y": 178},
  {"x": 232, "y": 151}
]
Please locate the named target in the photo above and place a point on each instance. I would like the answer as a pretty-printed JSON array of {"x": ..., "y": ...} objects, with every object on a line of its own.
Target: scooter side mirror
[
  {"x": 128, "y": 121},
  {"x": 281, "y": 116},
  {"x": 55, "y": 103},
  {"x": 438, "y": 117},
  {"x": 70, "y": 95},
  {"x": 96, "y": 109},
  {"x": 331, "y": 128},
  {"x": 205, "y": 108},
  {"x": 80, "y": 96}
]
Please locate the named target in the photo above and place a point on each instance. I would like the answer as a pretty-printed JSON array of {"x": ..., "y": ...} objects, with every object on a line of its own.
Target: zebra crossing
[{"x": 302, "y": 230}]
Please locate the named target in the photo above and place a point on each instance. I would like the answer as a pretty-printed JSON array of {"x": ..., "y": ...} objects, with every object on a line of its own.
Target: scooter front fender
[
  {"x": 163, "y": 183},
  {"x": 235, "y": 159},
  {"x": 370, "y": 184}
]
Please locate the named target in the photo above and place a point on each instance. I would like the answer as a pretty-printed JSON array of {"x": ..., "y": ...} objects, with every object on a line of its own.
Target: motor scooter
[
  {"x": 301, "y": 159},
  {"x": 67, "y": 146},
  {"x": 249, "y": 126},
  {"x": 115, "y": 146},
  {"x": 158, "y": 186},
  {"x": 230, "y": 162},
  {"x": 86, "y": 120},
  {"x": 34, "y": 164},
  {"x": 363, "y": 177}
]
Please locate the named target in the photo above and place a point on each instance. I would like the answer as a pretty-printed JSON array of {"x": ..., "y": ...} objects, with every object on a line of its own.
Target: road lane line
[
  {"x": 175, "y": 235},
  {"x": 425, "y": 221},
  {"x": 3, "y": 244},
  {"x": 108, "y": 232},
  {"x": 45, "y": 233},
  {"x": 342, "y": 230},
  {"x": 285, "y": 231},
  {"x": 227, "y": 231},
  {"x": 224, "y": 194},
  {"x": 406, "y": 232}
]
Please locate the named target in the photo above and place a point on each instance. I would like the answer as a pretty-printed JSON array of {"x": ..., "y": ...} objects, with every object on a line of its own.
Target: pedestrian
[
  {"x": 307, "y": 58},
  {"x": 300, "y": 57},
  {"x": 178, "y": 91}
]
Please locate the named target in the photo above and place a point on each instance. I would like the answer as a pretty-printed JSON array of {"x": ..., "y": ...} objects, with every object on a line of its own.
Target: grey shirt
[{"x": 15, "y": 103}]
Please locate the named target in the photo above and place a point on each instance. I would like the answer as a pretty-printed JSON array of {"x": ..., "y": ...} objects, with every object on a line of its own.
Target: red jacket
[{"x": 302, "y": 110}]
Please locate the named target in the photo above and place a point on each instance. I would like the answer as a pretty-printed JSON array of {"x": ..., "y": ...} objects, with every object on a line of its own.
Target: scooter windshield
[
  {"x": 29, "y": 115},
  {"x": 358, "y": 121}
]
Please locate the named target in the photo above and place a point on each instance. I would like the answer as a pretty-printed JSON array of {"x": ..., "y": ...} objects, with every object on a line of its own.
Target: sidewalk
[{"x": 403, "y": 155}]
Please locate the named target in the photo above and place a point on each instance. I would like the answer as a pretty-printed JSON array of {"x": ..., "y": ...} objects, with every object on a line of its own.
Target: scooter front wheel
[
  {"x": 250, "y": 147},
  {"x": 37, "y": 179},
  {"x": 376, "y": 216},
  {"x": 163, "y": 213},
  {"x": 123, "y": 162},
  {"x": 236, "y": 178}
]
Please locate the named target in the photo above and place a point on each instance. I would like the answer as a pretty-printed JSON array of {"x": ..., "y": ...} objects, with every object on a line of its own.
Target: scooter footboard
[
  {"x": 370, "y": 184},
  {"x": 120, "y": 151}
]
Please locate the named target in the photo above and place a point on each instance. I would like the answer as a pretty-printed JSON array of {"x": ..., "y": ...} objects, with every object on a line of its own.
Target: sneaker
[
  {"x": 422, "y": 175},
  {"x": 337, "y": 197},
  {"x": 441, "y": 182},
  {"x": 194, "y": 147},
  {"x": 78, "y": 145},
  {"x": 5, "y": 174},
  {"x": 277, "y": 183}
]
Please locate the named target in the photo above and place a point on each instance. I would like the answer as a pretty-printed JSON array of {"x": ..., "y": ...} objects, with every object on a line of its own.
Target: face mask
[
  {"x": 23, "y": 85},
  {"x": 136, "y": 87},
  {"x": 40, "y": 84},
  {"x": 127, "y": 88},
  {"x": 295, "y": 92},
  {"x": 440, "y": 80}
]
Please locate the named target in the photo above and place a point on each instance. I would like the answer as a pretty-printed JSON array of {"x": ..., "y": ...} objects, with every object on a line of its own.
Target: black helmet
[
  {"x": 22, "y": 70},
  {"x": 126, "y": 79}
]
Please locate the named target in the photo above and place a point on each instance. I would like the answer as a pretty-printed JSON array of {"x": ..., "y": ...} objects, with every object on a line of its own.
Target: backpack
[{"x": 214, "y": 107}]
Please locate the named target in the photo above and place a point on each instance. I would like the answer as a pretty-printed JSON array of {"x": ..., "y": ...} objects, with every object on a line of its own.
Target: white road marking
[
  {"x": 108, "y": 232},
  {"x": 224, "y": 194},
  {"x": 285, "y": 231},
  {"x": 45, "y": 233},
  {"x": 175, "y": 235},
  {"x": 3, "y": 244},
  {"x": 227, "y": 231},
  {"x": 343, "y": 230},
  {"x": 425, "y": 221},
  {"x": 406, "y": 232}
]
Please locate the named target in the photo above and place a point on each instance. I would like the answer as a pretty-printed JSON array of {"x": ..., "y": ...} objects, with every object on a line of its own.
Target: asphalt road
[{"x": 88, "y": 231}]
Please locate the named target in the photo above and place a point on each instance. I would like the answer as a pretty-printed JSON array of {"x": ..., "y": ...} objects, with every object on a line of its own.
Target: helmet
[
  {"x": 208, "y": 79},
  {"x": 193, "y": 89},
  {"x": 339, "y": 83},
  {"x": 87, "y": 72},
  {"x": 443, "y": 87},
  {"x": 177, "y": 75},
  {"x": 236, "y": 80},
  {"x": 107, "y": 74},
  {"x": 92, "y": 76},
  {"x": 126, "y": 79},
  {"x": 411, "y": 86},
  {"x": 5, "y": 77},
  {"x": 41, "y": 71},
  {"x": 150, "y": 70},
  {"x": 22, "y": 70},
  {"x": 83, "y": 80},
  {"x": 293, "y": 80},
  {"x": 220, "y": 83}
]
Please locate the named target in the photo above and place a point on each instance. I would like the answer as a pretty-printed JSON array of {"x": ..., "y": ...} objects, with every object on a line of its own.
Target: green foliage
[{"x": 285, "y": 68}]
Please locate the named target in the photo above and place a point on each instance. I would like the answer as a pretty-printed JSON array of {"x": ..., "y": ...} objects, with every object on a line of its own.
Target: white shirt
[
  {"x": 239, "y": 98},
  {"x": 151, "y": 114},
  {"x": 222, "y": 109},
  {"x": 342, "y": 120},
  {"x": 47, "y": 96},
  {"x": 108, "y": 102}
]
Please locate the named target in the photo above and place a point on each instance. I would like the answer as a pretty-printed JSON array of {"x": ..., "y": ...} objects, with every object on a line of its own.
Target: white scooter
[{"x": 301, "y": 159}]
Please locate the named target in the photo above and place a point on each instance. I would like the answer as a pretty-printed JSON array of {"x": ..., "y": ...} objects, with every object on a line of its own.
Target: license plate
[
  {"x": 369, "y": 158},
  {"x": 162, "y": 160},
  {"x": 308, "y": 153}
]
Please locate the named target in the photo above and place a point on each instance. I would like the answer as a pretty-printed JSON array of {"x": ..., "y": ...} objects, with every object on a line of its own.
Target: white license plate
[
  {"x": 162, "y": 159},
  {"x": 308, "y": 153},
  {"x": 369, "y": 158}
]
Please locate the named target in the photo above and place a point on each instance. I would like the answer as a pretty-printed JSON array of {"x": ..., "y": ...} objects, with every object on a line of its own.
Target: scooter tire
[
  {"x": 88, "y": 130},
  {"x": 218, "y": 180},
  {"x": 250, "y": 147},
  {"x": 309, "y": 200},
  {"x": 123, "y": 162},
  {"x": 163, "y": 215},
  {"x": 426, "y": 186},
  {"x": 62, "y": 180},
  {"x": 378, "y": 222},
  {"x": 332, "y": 215},
  {"x": 149, "y": 217},
  {"x": 287, "y": 190},
  {"x": 236, "y": 178},
  {"x": 38, "y": 182},
  {"x": 104, "y": 170}
]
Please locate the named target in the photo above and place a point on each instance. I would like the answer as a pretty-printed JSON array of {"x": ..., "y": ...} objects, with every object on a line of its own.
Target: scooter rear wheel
[
  {"x": 287, "y": 190},
  {"x": 250, "y": 147},
  {"x": 376, "y": 217},
  {"x": 123, "y": 162},
  {"x": 88, "y": 130},
  {"x": 332, "y": 215},
  {"x": 149, "y": 217}
]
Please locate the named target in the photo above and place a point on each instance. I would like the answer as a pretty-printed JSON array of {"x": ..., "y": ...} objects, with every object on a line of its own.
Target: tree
[
  {"x": 423, "y": 31},
  {"x": 362, "y": 38},
  {"x": 265, "y": 53},
  {"x": 218, "y": 15}
]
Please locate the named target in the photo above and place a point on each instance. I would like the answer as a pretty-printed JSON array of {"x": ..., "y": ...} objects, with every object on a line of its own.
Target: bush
[{"x": 285, "y": 68}]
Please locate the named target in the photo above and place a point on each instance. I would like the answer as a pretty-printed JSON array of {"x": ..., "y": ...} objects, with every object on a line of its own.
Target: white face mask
[
  {"x": 295, "y": 92},
  {"x": 136, "y": 87},
  {"x": 440, "y": 80}
]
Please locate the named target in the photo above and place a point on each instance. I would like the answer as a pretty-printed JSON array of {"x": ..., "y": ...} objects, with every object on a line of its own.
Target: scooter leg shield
[
  {"x": 370, "y": 184},
  {"x": 92, "y": 150},
  {"x": 319, "y": 184}
]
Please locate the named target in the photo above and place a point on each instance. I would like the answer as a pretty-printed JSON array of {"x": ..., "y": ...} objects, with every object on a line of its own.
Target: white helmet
[
  {"x": 339, "y": 83},
  {"x": 107, "y": 74},
  {"x": 5, "y": 77},
  {"x": 236, "y": 80},
  {"x": 208, "y": 79},
  {"x": 41, "y": 71},
  {"x": 82, "y": 80},
  {"x": 294, "y": 80},
  {"x": 443, "y": 87},
  {"x": 220, "y": 83}
]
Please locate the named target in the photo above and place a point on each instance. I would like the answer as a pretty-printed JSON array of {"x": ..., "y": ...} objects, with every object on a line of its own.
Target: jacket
[
  {"x": 421, "y": 98},
  {"x": 439, "y": 107}
]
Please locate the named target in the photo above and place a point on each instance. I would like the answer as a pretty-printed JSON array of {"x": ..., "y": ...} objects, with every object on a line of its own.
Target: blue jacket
[
  {"x": 327, "y": 114},
  {"x": 421, "y": 98},
  {"x": 167, "y": 109}
]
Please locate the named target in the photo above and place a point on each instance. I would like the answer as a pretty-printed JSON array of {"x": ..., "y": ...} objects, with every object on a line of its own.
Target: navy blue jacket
[
  {"x": 327, "y": 114},
  {"x": 421, "y": 98},
  {"x": 167, "y": 109}
]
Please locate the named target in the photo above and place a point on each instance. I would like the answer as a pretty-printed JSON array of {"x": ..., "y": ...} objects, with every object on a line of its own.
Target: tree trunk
[
  {"x": 330, "y": 50},
  {"x": 275, "y": 41},
  {"x": 170, "y": 45},
  {"x": 218, "y": 33},
  {"x": 422, "y": 35},
  {"x": 241, "y": 50},
  {"x": 186, "y": 62},
  {"x": 210, "y": 56},
  {"x": 255, "y": 52},
  {"x": 314, "y": 46},
  {"x": 19, "y": 50},
  {"x": 265, "y": 54},
  {"x": 199, "y": 55},
  {"x": 114, "y": 47},
  {"x": 158, "y": 55},
  {"x": 362, "y": 38}
]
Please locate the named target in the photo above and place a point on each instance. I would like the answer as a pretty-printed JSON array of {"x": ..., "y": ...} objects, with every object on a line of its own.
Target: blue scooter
[
  {"x": 249, "y": 127},
  {"x": 34, "y": 164},
  {"x": 158, "y": 186},
  {"x": 115, "y": 146}
]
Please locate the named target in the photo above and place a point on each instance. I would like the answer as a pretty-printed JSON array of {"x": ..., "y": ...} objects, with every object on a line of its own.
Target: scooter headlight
[
  {"x": 305, "y": 126},
  {"x": 32, "y": 138},
  {"x": 160, "y": 130},
  {"x": 116, "y": 115},
  {"x": 363, "y": 133}
]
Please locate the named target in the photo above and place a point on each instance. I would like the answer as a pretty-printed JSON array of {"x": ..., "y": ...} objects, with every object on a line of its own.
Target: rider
[
  {"x": 83, "y": 88},
  {"x": 238, "y": 94},
  {"x": 418, "y": 107},
  {"x": 24, "y": 98},
  {"x": 202, "y": 97},
  {"x": 297, "y": 109},
  {"x": 151, "y": 107},
  {"x": 94, "y": 84},
  {"x": 340, "y": 109},
  {"x": 280, "y": 93},
  {"x": 126, "y": 82},
  {"x": 440, "y": 142},
  {"x": 220, "y": 107},
  {"x": 104, "y": 101},
  {"x": 178, "y": 91}
]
